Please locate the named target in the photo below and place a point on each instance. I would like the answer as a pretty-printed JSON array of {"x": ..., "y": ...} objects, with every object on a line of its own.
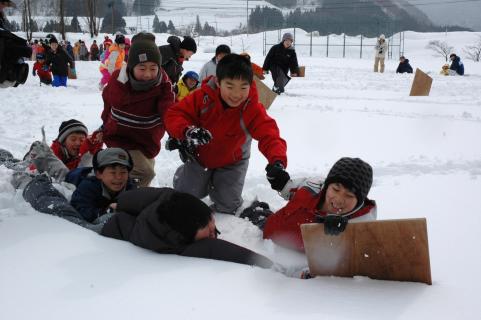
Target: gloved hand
[
  {"x": 257, "y": 213},
  {"x": 186, "y": 153},
  {"x": 334, "y": 224},
  {"x": 197, "y": 136},
  {"x": 34, "y": 73},
  {"x": 277, "y": 175}
]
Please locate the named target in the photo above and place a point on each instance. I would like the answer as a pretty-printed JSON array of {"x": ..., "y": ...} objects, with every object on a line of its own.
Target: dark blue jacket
[
  {"x": 404, "y": 67},
  {"x": 92, "y": 200},
  {"x": 457, "y": 66}
]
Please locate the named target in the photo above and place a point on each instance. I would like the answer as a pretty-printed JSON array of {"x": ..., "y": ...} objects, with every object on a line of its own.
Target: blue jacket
[
  {"x": 457, "y": 66},
  {"x": 91, "y": 199},
  {"x": 404, "y": 67}
]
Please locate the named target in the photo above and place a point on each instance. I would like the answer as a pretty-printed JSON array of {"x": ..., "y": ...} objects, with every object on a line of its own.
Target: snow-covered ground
[{"x": 426, "y": 159}]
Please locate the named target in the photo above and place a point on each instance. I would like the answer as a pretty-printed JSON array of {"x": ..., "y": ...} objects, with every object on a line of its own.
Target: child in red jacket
[
  {"x": 43, "y": 71},
  {"x": 340, "y": 198},
  {"x": 135, "y": 101},
  {"x": 217, "y": 123}
]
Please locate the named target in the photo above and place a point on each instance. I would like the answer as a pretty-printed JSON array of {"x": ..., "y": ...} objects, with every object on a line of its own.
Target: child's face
[
  {"x": 191, "y": 83},
  {"x": 207, "y": 232},
  {"x": 339, "y": 200},
  {"x": 234, "y": 91},
  {"x": 73, "y": 142},
  {"x": 146, "y": 71},
  {"x": 114, "y": 177}
]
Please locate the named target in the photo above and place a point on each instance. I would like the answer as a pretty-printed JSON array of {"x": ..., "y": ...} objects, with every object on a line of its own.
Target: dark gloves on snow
[
  {"x": 277, "y": 175},
  {"x": 197, "y": 136},
  {"x": 186, "y": 152},
  {"x": 333, "y": 224},
  {"x": 257, "y": 213}
]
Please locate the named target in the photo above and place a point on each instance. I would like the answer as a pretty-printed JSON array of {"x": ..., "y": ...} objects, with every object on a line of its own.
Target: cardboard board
[
  {"x": 384, "y": 250},
  {"x": 266, "y": 95},
  {"x": 72, "y": 73},
  {"x": 302, "y": 71},
  {"x": 421, "y": 84}
]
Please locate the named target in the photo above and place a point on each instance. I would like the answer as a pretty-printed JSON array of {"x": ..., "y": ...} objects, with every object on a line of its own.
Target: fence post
[
  {"x": 360, "y": 55},
  {"x": 294, "y": 34},
  {"x": 310, "y": 45},
  {"x": 344, "y": 47},
  {"x": 327, "y": 47}
]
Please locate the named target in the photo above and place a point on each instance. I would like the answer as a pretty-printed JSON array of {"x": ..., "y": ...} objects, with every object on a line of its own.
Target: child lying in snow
[{"x": 340, "y": 198}]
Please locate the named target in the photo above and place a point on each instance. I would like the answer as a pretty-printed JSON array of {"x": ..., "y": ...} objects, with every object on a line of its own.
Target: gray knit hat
[
  {"x": 354, "y": 174},
  {"x": 70, "y": 126},
  {"x": 287, "y": 36}
]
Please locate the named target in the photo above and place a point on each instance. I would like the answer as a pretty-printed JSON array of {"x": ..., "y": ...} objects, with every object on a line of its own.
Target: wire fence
[{"x": 337, "y": 46}]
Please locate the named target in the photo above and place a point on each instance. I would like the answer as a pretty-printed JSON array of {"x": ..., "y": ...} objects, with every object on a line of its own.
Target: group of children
[{"x": 214, "y": 127}]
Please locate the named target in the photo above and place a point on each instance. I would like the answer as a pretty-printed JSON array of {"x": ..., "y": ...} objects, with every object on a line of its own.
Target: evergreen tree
[
  {"x": 208, "y": 30},
  {"x": 198, "y": 26},
  {"x": 156, "y": 25},
  {"x": 171, "y": 27},
  {"x": 75, "y": 25},
  {"x": 118, "y": 22},
  {"x": 163, "y": 27},
  {"x": 145, "y": 7}
]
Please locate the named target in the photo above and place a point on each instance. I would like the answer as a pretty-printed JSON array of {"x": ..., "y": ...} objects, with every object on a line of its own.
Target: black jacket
[
  {"x": 170, "y": 59},
  {"x": 404, "y": 67},
  {"x": 59, "y": 62},
  {"x": 285, "y": 58},
  {"x": 137, "y": 221}
]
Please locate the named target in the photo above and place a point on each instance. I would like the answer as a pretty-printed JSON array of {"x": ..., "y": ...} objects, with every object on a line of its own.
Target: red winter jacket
[
  {"x": 134, "y": 120},
  {"x": 232, "y": 129},
  {"x": 42, "y": 74},
  {"x": 88, "y": 148},
  {"x": 283, "y": 227}
]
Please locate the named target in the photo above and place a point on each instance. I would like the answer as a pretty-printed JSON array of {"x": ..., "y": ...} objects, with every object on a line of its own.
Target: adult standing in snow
[
  {"x": 59, "y": 62},
  {"x": 94, "y": 51},
  {"x": 279, "y": 60},
  {"x": 174, "y": 54},
  {"x": 404, "y": 66},
  {"x": 456, "y": 66},
  {"x": 210, "y": 66},
  {"x": 84, "y": 52},
  {"x": 381, "y": 50},
  {"x": 13, "y": 70}
]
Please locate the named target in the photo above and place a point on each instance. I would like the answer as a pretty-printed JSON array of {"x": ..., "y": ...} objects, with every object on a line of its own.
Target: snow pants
[
  {"x": 279, "y": 77},
  {"x": 223, "y": 185},
  {"x": 59, "y": 81},
  {"x": 378, "y": 61},
  {"x": 105, "y": 76},
  {"x": 143, "y": 169}
]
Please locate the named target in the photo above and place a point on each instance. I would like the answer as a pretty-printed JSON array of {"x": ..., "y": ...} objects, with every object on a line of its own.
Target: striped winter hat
[{"x": 69, "y": 127}]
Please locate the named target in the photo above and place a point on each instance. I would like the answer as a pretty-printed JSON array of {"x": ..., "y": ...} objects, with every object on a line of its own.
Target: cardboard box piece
[
  {"x": 266, "y": 95},
  {"x": 421, "y": 84}
]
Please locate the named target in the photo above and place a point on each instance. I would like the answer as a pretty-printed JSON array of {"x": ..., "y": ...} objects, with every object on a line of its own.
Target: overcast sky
[{"x": 451, "y": 12}]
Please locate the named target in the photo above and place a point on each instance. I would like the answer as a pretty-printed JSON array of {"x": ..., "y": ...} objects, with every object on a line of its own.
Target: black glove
[
  {"x": 197, "y": 136},
  {"x": 277, "y": 176},
  {"x": 186, "y": 153},
  {"x": 34, "y": 73},
  {"x": 257, "y": 213},
  {"x": 334, "y": 224}
]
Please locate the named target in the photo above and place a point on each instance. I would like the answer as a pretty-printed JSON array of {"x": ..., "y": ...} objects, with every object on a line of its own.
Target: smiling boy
[{"x": 218, "y": 122}]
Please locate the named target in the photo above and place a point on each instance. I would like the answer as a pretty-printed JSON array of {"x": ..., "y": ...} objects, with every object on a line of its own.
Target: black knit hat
[
  {"x": 188, "y": 44},
  {"x": 69, "y": 127},
  {"x": 120, "y": 39},
  {"x": 143, "y": 36},
  {"x": 354, "y": 174},
  {"x": 223, "y": 48},
  {"x": 185, "y": 213},
  {"x": 143, "y": 50}
]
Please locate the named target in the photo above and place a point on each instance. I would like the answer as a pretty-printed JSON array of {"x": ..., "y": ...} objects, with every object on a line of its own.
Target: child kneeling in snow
[{"x": 340, "y": 198}]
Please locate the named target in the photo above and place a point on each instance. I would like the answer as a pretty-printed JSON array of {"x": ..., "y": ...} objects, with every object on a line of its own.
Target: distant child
[
  {"x": 113, "y": 60},
  {"x": 97, "y": 194},
  {"x": 457, "y": 67},
  {"x": 404, "y": 66},
  {"x": 218, "y": 122},
  {"x": 340, "y": 198},
  {"x": 43, "y": 71},
  {"x": 135, "y": 101},
  {"x": 445, "y": 70},
  {"x": 188, "y": 83},
  {"x": 209, "y": 68},
  {"x": 59, "y": 62}
]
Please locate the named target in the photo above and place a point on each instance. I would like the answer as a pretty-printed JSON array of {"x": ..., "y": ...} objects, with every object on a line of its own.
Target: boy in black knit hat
[
  {"x": 135, "y": 101},
  {"x": 340, "y": 198}
]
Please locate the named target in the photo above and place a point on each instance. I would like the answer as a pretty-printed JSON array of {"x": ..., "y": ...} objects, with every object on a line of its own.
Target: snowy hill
[{"x": 426, "y": 159}]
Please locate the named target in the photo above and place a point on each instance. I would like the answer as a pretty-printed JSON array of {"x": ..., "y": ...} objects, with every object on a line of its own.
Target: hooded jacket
[
  {"x": 404, "y": 67},
  {"x": 457, "y": 66},
  {"x": 232, "y": 129},
  {"x": 171, "y": 60},
  {"x": 283, "y": 57},
  {"x": 137, "y": 221},
  {"x": 134, "y": 120}
]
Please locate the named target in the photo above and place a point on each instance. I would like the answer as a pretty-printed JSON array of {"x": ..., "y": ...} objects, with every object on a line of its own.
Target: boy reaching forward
[{"x": 218, "y": 122}]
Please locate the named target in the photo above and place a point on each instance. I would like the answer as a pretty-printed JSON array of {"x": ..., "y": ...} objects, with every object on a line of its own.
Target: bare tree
[
  {"x": 441, "y": 48},
  {"x": 62, "y": 18},
  {"x": 92, "y": 20},
  {"x": 27, "y": 19},
  {"x": 474, "y": 52}
]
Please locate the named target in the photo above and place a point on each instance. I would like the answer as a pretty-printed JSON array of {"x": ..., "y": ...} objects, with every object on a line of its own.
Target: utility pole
[{"x": 247, "y": 17}]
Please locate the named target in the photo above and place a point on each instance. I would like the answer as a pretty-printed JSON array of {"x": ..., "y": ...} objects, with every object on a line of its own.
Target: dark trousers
[{"x": 280, "y": 77}]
